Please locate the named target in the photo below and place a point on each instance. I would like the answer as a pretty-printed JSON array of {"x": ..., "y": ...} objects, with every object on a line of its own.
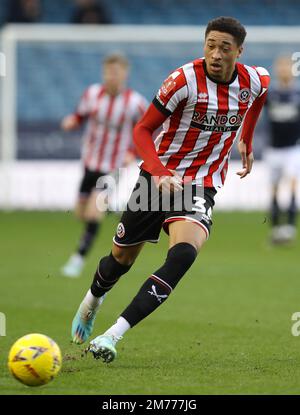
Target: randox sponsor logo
[{"x": 219, "y": 123}]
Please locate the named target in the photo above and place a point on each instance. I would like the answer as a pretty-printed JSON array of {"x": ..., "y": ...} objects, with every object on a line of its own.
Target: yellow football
[{"x": 34, "y": 359}]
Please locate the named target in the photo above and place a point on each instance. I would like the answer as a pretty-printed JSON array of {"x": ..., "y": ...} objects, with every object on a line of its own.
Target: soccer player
[
  {"x": 110, "y": 110},
  {"x": 203, "y": 107},
  {"x": 283, "y": 154}
]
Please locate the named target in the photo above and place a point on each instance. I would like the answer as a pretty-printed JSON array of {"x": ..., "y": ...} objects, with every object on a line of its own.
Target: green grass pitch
[{"x": 225, "y": 330}]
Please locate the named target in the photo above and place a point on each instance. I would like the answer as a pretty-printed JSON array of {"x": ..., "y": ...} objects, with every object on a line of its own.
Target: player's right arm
[
  {"x": 142, "y": 137},
  {"x": 70, "y": 122},
  {"x": 73, "y": 121},
  {"x": 172, "y": 92},
  {"x": 251, "y": 118}
]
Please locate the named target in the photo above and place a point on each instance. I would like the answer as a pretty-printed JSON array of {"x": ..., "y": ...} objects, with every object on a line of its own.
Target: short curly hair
[{"x": 228, "y": 25}]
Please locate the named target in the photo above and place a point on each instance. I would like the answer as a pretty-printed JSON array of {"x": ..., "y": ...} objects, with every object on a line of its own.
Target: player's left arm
[{"x": 251, "y": 118}]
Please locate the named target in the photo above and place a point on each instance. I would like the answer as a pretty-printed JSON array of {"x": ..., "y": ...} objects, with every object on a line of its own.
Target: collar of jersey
[{"x": 234, "y": 75}]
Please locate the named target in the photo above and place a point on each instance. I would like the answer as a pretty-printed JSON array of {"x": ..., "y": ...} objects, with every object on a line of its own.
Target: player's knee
[
  {"x": 182, "y": 256},
  {"x": 179, "y": 259},
  {"x": 124, "y": 256},
  {"x": 92, "y": 218},
  {"x": 112, "y": 267}
]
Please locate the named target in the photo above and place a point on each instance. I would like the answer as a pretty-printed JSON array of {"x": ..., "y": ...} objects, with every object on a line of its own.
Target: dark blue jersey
[{"x": 283, "y": 111}]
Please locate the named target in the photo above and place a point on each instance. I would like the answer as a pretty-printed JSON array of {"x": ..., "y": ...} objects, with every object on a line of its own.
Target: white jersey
[
  {"x": 110, "y": 121},
  {"x": 204, "y": 119}
]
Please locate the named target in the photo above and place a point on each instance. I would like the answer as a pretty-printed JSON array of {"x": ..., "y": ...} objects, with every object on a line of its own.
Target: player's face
[
  {"x": 114, "y": 77},
  {"x": 221, "y": 52},
  {"x": 283, "y": 67}
]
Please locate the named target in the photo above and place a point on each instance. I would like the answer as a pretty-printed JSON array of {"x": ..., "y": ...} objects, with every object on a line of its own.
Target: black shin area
[
  {"x": 107, "y": 274},
  {"x": 159, "y": 286}
]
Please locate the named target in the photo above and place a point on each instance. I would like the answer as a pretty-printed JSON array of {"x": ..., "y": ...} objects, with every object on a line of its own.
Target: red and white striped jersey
[
  {"x": 205, "y": 117},
  {"x": 110, "y": 121}
]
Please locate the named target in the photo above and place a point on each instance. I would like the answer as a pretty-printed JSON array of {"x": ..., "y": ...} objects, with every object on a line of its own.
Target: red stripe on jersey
[
  {"x": 222, "y": 94},
  {"x": 214, "y": 167},
  {"x": 244, "y": 80},
  {"x": 192, "y": 134},
  {"x": 106, "y": 131},
  {"x": 127, "y": 96},
  {"x": 245, "y": 83},
  {"x": 264, "y": 79},
  {"x": 169, "y": 135},
  {"x": 224, "y": 171},
  {"x": 93, "y": 136}
]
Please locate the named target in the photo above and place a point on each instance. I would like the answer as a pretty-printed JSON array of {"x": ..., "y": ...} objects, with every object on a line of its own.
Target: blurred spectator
[
  {"x": 283, "y": 154},
  {"x": 24, "y": 11},
  {"x": 89, "y": 11}
]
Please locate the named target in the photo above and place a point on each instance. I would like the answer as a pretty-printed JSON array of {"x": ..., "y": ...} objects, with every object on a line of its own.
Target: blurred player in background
[
  {"x": 202, "y": 107},
  {"x": 111, "y": 110},
  {"x": 283, "y": 155}
]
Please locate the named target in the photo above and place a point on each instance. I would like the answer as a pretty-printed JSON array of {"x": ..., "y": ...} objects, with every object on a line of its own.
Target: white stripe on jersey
[
  {"x": 108, "y": 134},
  {"x": 205, "y": 136},
  {"x": 177, "y": 97},
  {"x": 255, "y": 83},
  {"x": 185, "y": 118},
  {"x": 94, "y": 143},
  {"x": 232, "y": 106},
  {"x": 204, "y": 154},
  {"x": 262, "y": 71},
  {"x": 165, "y": 127},
  {"x": 118, "y": 109}
]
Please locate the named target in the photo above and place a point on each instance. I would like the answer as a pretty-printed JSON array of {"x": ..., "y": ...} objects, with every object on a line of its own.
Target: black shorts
[
  {"x": 143, "y": 224},
  {"x": 88, "y": 182}
]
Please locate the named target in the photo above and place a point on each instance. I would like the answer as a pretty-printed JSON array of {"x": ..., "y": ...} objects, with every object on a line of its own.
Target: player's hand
[
  {"x": 69, "y": 123},
  {"x": 247, "y": 160},
  {"x": 170, "y": 184}
]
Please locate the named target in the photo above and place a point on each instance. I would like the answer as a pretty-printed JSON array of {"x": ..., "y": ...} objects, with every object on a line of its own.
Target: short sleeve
[
  {"x": 173, "y": 90},
  {"x": 87, "y": 101},
  {"x": 264, "y": 78}
]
